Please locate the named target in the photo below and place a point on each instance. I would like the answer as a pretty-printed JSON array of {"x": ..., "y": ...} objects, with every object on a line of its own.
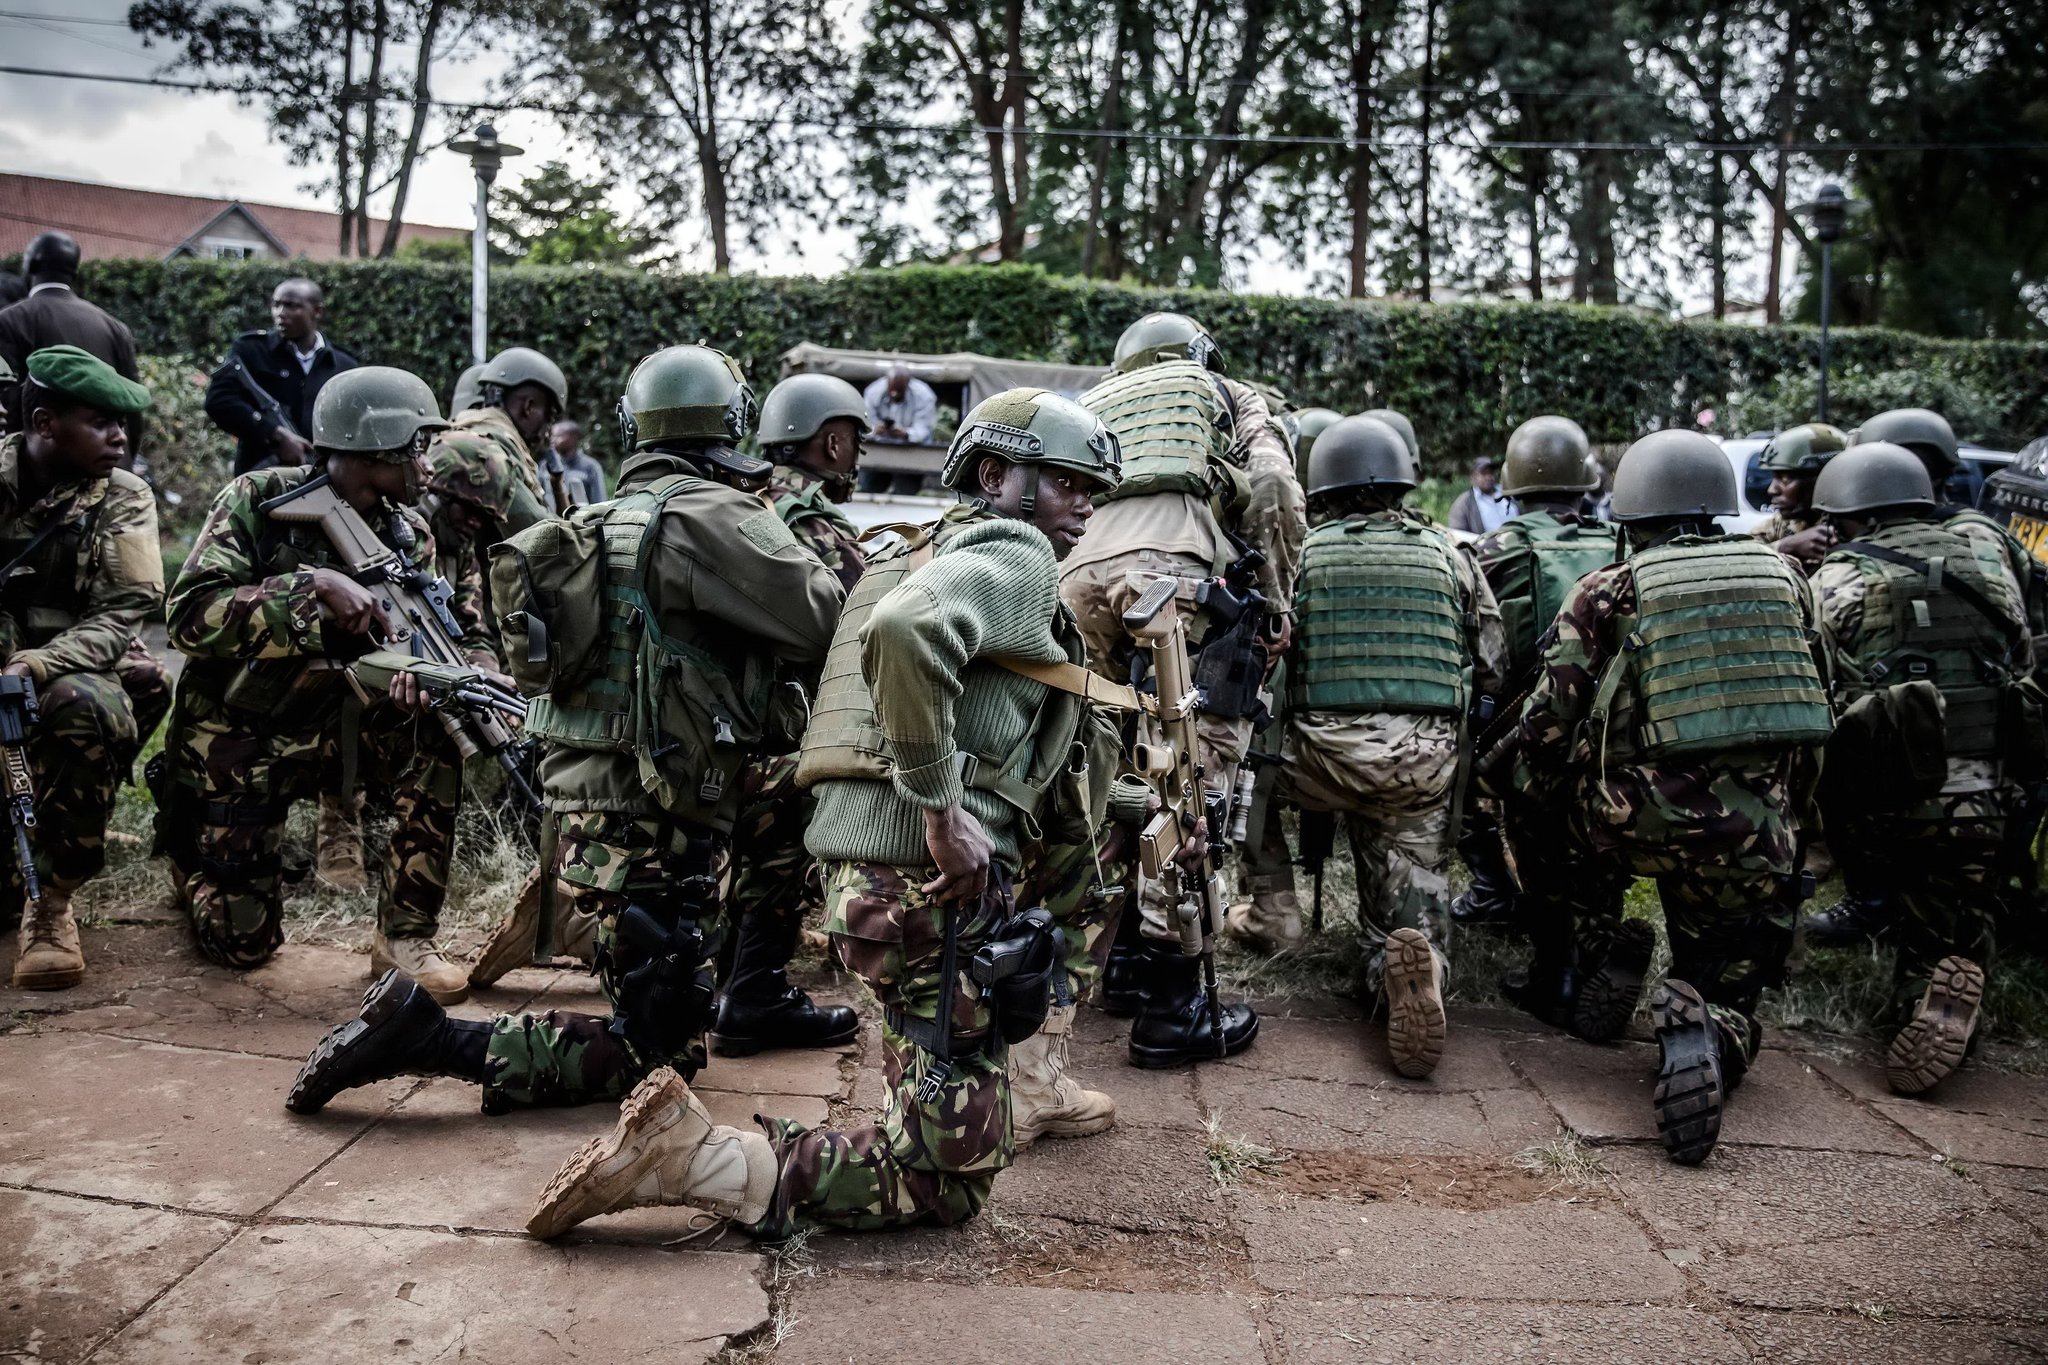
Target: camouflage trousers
[
  {"x": 604, "y": 862},
  {"x": 1726, "y": 884},
  {"x": 148, "y": 684},
  {"x": 230, "y": 786},
  {"x": 944, "y": 1130},
  {"x": 79, "y": 752},
  {"x": 772, "y": 878},
  {"x": 1941, "y": 862},
  {"x": 1098, "y": 595},
  {"x": 1391, "y": 778}
]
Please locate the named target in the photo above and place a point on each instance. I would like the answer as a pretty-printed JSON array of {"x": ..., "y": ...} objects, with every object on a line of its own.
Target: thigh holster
[{"x": 658, "y": 965}]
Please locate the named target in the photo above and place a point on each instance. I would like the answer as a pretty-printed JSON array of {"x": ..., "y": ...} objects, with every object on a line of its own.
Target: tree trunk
[
  {"x": 710, "y": 164},
  {"x": 1422, "y": 242},
  {"x": 422, "y": 103},
  {"x": 1016, "y": 106},
  {"x": 342, "y": 178},
  {"x": 1365, "y": 51},
  {"x": 1718, "y": 250},
  {"x": 1112, "y": 112},
  {"x": 367, "y": 160},
  {"x": 1788, "y": 97}
]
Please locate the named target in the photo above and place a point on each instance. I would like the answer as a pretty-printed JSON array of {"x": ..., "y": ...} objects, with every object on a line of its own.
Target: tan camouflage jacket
[
  {"x": 118, "y": 579},
  {"x": 1276, "y": 519}
]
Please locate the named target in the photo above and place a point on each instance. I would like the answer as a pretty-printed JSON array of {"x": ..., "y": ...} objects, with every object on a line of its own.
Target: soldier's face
[
  {"x": 90, "y": 442},
  {"x": 1791, "y": 491},
  {"x": 1064, "y": 500}
]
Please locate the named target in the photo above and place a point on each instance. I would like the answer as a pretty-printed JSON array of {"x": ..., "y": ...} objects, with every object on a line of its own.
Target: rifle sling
[
  {"x": 1967, "y": 591},
  {"x": 35, "y": 542},
  {"x": 1077, "y": 681}
]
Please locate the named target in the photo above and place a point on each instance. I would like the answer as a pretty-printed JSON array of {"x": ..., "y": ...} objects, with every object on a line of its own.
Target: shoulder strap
[
  {"x": 1077, "y": 681},
  {"x": 1967, "y": 591},
  {"x": 35, "y": 542}
]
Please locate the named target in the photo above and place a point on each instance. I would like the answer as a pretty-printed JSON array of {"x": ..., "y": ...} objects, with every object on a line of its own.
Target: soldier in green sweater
[{"x": 938, "y": 748}]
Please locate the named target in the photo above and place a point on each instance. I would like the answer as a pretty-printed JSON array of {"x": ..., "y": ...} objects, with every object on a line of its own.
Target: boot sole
[
  {"x": 727, "y": 1045},
  {"x": 380, "y": 964},
  {"x": 49, "y": 978},
  {"x": 1416, "y": 1027},
  {"x": 381, "y": 1004},
  {"x": 1065, "y": 1128},
  {"x": 1690, "y": 1092},
  {"x": 662, "y": 1096},
  {"x": 1608, "y": 998},
  {"x": 1928, "y": 1050}
]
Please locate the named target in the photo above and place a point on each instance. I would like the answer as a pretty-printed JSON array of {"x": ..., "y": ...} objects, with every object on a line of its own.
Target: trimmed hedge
[{"x": 1466, "y": 373}]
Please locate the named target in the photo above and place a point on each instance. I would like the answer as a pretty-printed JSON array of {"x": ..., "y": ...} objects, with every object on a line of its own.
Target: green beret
[{"x": 88, "y": 379}]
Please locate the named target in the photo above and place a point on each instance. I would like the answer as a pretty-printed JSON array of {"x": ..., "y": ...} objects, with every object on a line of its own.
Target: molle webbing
[
  {"x": 1381, "y": 621},
  {"x": 843, "y": 739},
  {"x": 1172, "y": 425},
  {"x": 1531, "y": 585},
  {"x": 1720, "y": 655}
]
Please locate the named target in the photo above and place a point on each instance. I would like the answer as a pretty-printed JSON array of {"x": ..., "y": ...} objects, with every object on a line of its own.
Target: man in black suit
[
  {"x": 290, "y": 363},
  {"x": 54, "y": 315}
]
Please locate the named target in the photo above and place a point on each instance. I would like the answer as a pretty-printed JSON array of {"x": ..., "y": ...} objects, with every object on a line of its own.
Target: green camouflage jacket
[{"x": 799, "y": 499}]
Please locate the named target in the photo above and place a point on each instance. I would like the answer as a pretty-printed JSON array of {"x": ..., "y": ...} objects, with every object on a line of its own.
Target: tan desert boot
[
  {"x": 338, "y": 861},
  {"x": 1045, "y": 1101},
  {"x": 1271, "y": 920},
  {"x": 49, "y": 958},
  {"x": 664, "y": 1151},
  {"x": 1932, "y": 1045},
  {"x": 511, "y": 945},
  {"x": 423, "y": 961},
  {"x": 1414, "y": 991}
]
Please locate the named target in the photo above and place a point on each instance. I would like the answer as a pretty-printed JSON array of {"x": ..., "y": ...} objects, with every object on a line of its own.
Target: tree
[
  {"x": 322, "y": 70},
  {"x": 554, "y": 218}
]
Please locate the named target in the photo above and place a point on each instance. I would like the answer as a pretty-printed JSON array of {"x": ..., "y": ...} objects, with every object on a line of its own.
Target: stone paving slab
[
  {"x": 1144, "y": 1099},
  {"x": 2008, "y": 1140},
  {"x": 1325, "y": 1248},
  {"x": 1298, "y": 1115},
  {"x": 1910, "y": 1237},
  {"x": 1972, "y": 1090},
  {"x": 1356, "y": 1053},
  {"x": 75, "y": 1269},
  {"x": 1347, "y": 1332},
  {"x": 155, "y": 1124},
  {"x": 1817, "y": 1339},
  {"x": 847, "y": 1320},
  {"x": 1141, "y": 1180},
  {"x": 283, "y": 1294}
]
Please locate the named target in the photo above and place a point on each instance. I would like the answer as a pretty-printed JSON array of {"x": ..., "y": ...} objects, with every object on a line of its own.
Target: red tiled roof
[{"x": 110, "y": 220}]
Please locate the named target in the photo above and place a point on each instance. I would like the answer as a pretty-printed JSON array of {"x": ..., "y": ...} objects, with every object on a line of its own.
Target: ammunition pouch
[
  {"x": 1015, "y": 972},
  {"x": 1889, "y": 750},
  {"x": 1230, "y": 669},
  {"x": 657, "y": 969}
]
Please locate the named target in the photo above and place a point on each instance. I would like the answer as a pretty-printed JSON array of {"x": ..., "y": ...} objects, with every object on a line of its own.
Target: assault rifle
[
  {"x": 266, "y": 403},
  {"x": 17, "y": 714},
  {"x": 1174, "y": 770},
  {"x": 419, "y": 631}
]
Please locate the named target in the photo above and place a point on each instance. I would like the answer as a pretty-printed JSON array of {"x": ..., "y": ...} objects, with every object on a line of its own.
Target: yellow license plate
[{"x": 2032, "y": 534}]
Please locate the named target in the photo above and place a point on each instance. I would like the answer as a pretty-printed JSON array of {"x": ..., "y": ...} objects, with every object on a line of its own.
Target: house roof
[{"x": 112, "y": 220}]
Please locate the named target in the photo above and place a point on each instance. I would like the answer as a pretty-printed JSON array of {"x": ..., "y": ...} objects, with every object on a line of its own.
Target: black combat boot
[
  {"x": 760, "y": 1010},
  {"x": 1122, "y": 990},
  {"x": 1490, "y": 899},
  {"x": 1607, "y": 992},
  {"x": 1174, "y": 1026},
  {"x": 400, "y": 1031},
  {"x": 1852, "y": 920},
  {"x": 1691, "y": 1084}
]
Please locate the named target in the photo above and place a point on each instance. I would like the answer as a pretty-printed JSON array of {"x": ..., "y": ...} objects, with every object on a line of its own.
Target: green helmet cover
[
  {"x": 1166, "y": 336},
  {"x": 1034, "y": 426},
  {"x": 469, "y": 390},
  {"x": 1360, "y": 452},
  {"x": 1674, "y": 474},
  {"x": 688, "y": 394},
  {"x": 1913, "y": 428},
  {"x": 1873, "y": 474},
  {"x": 1804, "y": 449},
  {"x": 377, "y": 411},
  {"x": 1401, "y": 425},
  {"x": 516, "y": 365},
  {"x": 1548, "y": 454},
  {"x": 796, "y": 408}
]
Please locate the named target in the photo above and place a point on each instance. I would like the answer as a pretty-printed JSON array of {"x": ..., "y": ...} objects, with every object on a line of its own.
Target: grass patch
[
  {"x": 1232, "y": 1158},
  {"x": 1566, "y": 1156}
]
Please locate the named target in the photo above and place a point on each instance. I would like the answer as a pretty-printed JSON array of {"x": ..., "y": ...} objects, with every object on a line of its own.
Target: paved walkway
[{"x": 157, "y": 1204}]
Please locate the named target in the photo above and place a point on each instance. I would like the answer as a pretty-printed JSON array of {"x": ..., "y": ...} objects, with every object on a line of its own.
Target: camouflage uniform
[
  {"x": 1778, "y": 525},
  {"x": 70, "y": 612},
  {"x": 262, "y": 714},
  {"x": 1718, "y": 834},
  {"x": 479, "y": 466},
  {"x": 800, "y": 499}
]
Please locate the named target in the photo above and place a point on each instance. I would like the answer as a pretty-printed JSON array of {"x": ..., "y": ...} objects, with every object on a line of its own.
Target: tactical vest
[
  {"x": 845, "y": 740},
  {"x": 1720, "y": 659},
  {"x": 813, "y": 503},
  {"x": 1533, "y": 583},
  {"x": 43, "y": 593},
  {"x": 1920, "y": 622},
  {"x": 1173, "y": 426},
  {"x": 1379, "y": 621},
  {"x": 687, "y": 710}
]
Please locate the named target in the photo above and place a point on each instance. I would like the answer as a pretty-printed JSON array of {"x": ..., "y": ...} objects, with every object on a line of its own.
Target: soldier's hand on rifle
[
  {"x": 1194, "y": 849},
  {"x": 18, "y": 671},
  {"x": 1807, "y": 548},
  {"x": 406, "y": 694},
  {"x": 1279, "y": 635},
  {"x": 961, "y": 850},
  {"x": 347, "y": 603},
  {"x": 289, "y": 447}
]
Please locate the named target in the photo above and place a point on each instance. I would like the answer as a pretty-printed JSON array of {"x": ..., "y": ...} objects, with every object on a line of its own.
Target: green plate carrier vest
[
  {"x": 1720, "y": 659},
  {"x": 1380, "y": 622},
  {"x": 844, "y": 740},
  {"x": 1919, "y": 623},
  {"x": 688, "y": 713},
  {"x": 1533, "y": 584},
  {"x": 1173, "y": 426}
]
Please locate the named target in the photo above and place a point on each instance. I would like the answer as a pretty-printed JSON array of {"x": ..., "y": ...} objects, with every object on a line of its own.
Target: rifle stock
[{"x": 18, "y": 713}]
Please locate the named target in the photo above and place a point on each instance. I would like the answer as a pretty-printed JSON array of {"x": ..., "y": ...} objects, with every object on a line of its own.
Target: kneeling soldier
[
  {"x": 82, "y": 569},
  {"x": 936, "y": 749}
]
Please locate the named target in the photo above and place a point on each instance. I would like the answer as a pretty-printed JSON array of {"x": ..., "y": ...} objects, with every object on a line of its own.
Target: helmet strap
[{"x": 1029, "y": 505}]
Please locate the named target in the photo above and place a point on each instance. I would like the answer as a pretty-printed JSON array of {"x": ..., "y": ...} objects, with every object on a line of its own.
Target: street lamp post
[
  {"x": 1828, "y": 212},
  {"x": 485, "y": 155}
]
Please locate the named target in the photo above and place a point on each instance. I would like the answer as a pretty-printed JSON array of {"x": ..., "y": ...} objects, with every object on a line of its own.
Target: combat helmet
[
  {"x": 1549, "y": 454},
  {"x": 688, "y": 395},
  {"x": 1166, "y": 336},
  {"x": 469, "y": 390},
  {"x": 1034, "y": 427},
  {"x": 516, "y": 365},
  {"x": 1873, "y": 474},
  {"x": 1925, "y": 433},
  {"x": 1403, "y": 428},
  {"x": 797, "y": 407},
  {"x": 1360, "y": 452},
  {"x": 1310, "y": 423},
  {"x": 1804, "y": 449},
  {"x": 1674, "y": 474},
  {"x": 377, "y": 412}
]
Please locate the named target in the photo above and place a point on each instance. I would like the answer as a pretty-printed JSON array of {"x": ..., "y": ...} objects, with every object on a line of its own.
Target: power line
[
  {"x": 1051, "y": 131},
  {"x": 61, "y": 18}
]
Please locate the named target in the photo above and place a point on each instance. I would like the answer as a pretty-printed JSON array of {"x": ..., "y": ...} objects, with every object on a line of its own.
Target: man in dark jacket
[
  {"x": 54, "y": 315},
  {"x": 290, "y": 363}
]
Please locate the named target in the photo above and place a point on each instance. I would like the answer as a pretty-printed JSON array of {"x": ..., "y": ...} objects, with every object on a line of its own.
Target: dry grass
[
  {"x": 1231, "y": 1158},
  {"x": 1566, "y": 1156}
]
